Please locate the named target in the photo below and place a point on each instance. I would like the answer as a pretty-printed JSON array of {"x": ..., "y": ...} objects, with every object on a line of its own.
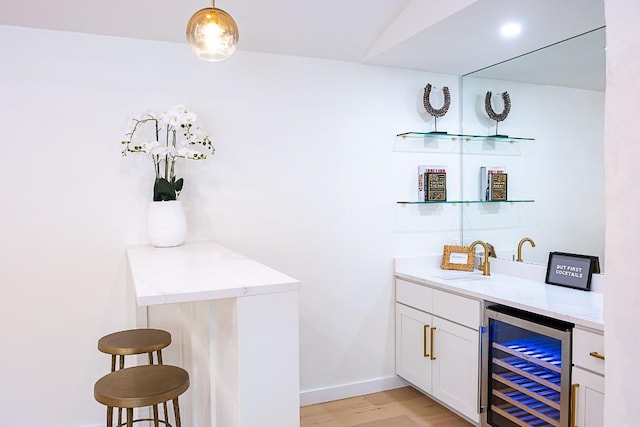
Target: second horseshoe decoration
[{"x": 498, "y": 117}]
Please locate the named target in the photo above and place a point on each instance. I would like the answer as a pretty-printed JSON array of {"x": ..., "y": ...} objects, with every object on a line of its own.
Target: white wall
[
  {"x": 562, "y": 170},
  {"x": 304, "y": 179},
  {"x": 622, "y": 293}
]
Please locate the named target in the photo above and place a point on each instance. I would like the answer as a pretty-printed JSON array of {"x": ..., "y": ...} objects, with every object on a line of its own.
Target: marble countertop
[
  {"x": 579, "y": 307},
  {"x": 200, "y": 271}
]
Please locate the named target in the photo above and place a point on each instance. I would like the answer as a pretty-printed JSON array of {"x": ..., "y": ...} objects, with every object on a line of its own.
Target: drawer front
[
  {"x": 588, "y": 350},
  {"x": 462, "y": 310},
  {"x": 413, "y": 295}
]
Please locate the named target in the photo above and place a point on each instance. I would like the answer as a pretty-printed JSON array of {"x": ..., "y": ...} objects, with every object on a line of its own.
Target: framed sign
[
  {"x": 457, "y": 258},
  {"x": 571, "y": 270}
]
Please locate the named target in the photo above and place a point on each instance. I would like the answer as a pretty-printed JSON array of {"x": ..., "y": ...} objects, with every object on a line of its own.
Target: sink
[{"x": 459, "y": 275}]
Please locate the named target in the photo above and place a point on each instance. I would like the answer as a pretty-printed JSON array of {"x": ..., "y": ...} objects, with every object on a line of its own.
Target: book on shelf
[
  {"x": 432, "y": 183},
  {"x": 493, "y": 183},
  {"x": 498, "y": 186}
]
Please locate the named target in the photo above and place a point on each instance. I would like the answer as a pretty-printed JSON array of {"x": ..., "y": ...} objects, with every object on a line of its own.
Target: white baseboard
[{"x": 310, "y": 397}]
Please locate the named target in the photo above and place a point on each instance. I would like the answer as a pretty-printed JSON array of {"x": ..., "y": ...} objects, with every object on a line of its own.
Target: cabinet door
[
  {"x": 589, "y": 398},
  {"x": 455, "y": 369},
  {"x": 413, "y": 346}
]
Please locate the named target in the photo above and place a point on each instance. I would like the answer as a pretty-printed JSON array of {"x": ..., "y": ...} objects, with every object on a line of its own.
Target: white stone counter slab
[
  {"x": 200, "y": 271},
  {"x": 579, "y": 307}
]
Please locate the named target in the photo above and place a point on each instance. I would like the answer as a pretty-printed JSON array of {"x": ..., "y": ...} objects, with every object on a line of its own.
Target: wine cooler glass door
[{"x": 526, "y": 369}]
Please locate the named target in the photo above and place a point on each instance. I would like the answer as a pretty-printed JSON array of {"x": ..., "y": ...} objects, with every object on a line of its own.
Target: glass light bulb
[{"x": 212, "y": 34}]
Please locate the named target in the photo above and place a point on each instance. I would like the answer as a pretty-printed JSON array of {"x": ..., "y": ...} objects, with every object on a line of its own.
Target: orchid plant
[{"x": 167, "y": 137}]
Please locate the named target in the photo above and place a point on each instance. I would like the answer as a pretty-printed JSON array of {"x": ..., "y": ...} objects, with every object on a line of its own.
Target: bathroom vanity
[{"x": 440, "y": 328}]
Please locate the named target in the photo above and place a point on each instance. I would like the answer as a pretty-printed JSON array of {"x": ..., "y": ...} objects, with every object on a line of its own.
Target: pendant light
[{"x": 212, "y": 34}]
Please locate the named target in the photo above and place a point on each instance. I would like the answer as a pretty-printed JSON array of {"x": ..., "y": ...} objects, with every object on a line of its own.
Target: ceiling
[
  {"x": 578, "y": 62},
  {"x": 452, "y": 36}
]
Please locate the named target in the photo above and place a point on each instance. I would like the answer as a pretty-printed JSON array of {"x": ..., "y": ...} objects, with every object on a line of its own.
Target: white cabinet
[
  {"x": 413, "y": 346},
  {"x": 589, "y": 398},
  {"x": 455, "y": 368},
  {"x": 439, "y": 355},
  {"x": 587, "y": 379}
]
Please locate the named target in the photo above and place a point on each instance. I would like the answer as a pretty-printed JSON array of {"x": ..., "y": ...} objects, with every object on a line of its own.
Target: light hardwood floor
[{"x": 402, "y": 407}]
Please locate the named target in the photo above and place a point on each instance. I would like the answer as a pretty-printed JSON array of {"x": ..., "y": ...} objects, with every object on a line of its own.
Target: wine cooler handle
[
  {"x": 482, "y": 370},
  {"x": 597, "y": 355},
  {"x": 574, "y": 397},
  {"x": 424, "y": 341},
  {"x": 433, "y": 356}
]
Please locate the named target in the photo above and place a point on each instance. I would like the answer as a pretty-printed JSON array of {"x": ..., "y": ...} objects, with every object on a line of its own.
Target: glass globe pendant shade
[{"x": 212, "y": 34}]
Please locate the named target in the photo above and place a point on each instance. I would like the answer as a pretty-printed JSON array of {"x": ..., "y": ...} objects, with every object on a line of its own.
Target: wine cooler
[{"x": 526, "y": 369}]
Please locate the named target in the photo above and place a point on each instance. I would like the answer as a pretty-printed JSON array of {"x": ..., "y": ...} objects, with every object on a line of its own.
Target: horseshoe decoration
[
  {"x": 490, "y": 111},
  {"x": 427, "y": 102},
  {"x": 436, "y": 112},
  {"x": 498, "y": 117}
]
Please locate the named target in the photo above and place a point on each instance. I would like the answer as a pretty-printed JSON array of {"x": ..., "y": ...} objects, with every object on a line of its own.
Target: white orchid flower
[
  {"x": 178, "y": 115},
  {"x": 173, "y": 121},
  {"x": 189, "y": 118},
  {"x": 161, "y": 150},
  {"x": 149, "y": 146},
  {"x": 169, "y": 119},
  {"x": 197, "y": 133},
  {"x": 188, "y": 153}
]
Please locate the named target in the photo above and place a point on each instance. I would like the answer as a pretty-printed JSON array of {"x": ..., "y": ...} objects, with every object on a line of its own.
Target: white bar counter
[
  {"x": 234, "y": 323},
  {"x": 504, "y": 287}
]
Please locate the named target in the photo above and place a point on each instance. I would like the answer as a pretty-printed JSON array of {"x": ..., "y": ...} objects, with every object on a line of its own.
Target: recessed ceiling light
[{"x": 511, "y": 29}]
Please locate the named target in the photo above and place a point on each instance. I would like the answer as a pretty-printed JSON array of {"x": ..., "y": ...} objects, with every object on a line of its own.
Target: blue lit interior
[
  {"x": 521, "y": 387},
  {"x": 542, "y": 348}
]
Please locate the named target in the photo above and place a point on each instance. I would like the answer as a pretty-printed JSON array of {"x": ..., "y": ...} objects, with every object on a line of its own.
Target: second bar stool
[{"x": 140, "y": 386}]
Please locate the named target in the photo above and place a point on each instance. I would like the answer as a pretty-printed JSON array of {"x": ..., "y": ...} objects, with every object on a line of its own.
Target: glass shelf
[
  {"x": 465, "y": 201},
  {"x": 466, "y": 137}
]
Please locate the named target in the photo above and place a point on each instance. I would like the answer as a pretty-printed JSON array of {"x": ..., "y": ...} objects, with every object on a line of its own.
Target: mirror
[{"x": 557, "y": 98}]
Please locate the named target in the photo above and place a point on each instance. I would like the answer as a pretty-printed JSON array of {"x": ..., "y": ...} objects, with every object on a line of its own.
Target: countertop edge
[{"x": 245, "y": 291}]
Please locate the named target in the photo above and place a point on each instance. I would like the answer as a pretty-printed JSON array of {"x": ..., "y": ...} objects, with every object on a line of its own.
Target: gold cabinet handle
[
  {"x": 433, "y": 356},
  {"x": 424, "y": 341},
  {"x": 574, "y": 397},
  {"x": 597, "y": 355}
]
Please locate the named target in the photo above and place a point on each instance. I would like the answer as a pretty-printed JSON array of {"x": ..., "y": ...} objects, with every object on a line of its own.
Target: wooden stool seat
[
  {"x": 141, "y": 386},
  {"x": 134, "y": 341}
]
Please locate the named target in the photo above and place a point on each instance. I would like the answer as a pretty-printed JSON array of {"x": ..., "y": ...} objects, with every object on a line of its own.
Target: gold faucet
[
  {"x": 526, "y": 239},
  {"x": 485, "y": 266}
]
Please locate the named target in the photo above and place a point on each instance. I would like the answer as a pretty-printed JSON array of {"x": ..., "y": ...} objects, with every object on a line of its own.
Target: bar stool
[
  {"x": 142, "y": 386},
  {"x": 134, "y": 341},
  {"x": 131, "y": 342}
]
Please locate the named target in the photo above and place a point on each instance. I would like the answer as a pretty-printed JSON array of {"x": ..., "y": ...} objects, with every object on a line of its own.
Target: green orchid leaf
[
  {"x": 178, "y": 185},
  {"x": 163, "y": 190}
]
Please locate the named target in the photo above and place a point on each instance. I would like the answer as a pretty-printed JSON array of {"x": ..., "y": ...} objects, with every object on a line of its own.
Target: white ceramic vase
[{"x": 166, "y": 224}]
